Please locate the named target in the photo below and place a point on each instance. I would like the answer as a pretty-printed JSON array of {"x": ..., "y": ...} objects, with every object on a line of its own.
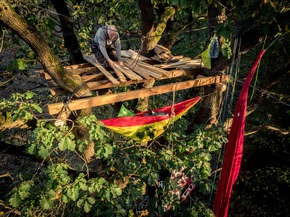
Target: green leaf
[
  {"x": 24, "y": 190},
  {"x": 71, "y": 145},
  {"x": 21, "y": 64},
  {"x": 32, "y": 149},
  {"x": 15, "y": 200},
  {"x": 108, "y": 150},
  {"x": 91, "y": 200},
  {"x": 62, "y": 144},
  {"x": 87, "y": 207},
  {"x": 51, "y": 193},
  {"x": 116, "y": 192},
  {"x": 65, "y": 199},
  {"x": 80, "y": 203},
  {"x": 73, "y": 193},
  {"x": 46, "y": 203},
  {"x": 83, "y": 186},
  {"x": 43, "y": 152},
  {"x": 28, "y": 116},
  {"x": 36, "y": 107},
  {"x": 102, "y": 181},
  {"x": 29, "y": 95}
]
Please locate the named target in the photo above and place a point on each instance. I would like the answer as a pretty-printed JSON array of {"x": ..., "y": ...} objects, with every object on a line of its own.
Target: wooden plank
[
  {"x": 119, "y": 97},
  {"x": 128, "y": 72},
  {"x": 152, "y": 68},
  {"x": 135, "y": 66},
  {"x": 105, "y": 83},
  {"x": 120, "y": 75},
  {"x": 171, "y": 65},
  {"x": 80, "y": 71},
  {"x": 139, "y": 71},
  {"x": 92, "y": 60},
  {"x": 97, "y": 85},
  {"x": 132, "y": 55},
  {"x": 85, "y": 78},
  {"x": 78, "y": 66},
  {"x": 190, "y": 63}
]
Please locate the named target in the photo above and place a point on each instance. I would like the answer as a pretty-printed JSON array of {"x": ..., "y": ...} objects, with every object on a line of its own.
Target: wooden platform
[{"x": 98, "y": 77}]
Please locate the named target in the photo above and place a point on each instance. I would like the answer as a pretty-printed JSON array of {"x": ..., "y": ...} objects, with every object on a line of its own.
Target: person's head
[{"x": 112, "y": 31}]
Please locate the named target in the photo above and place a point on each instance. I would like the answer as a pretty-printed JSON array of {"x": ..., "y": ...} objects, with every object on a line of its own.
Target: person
[{"x": 107, "y": 46}]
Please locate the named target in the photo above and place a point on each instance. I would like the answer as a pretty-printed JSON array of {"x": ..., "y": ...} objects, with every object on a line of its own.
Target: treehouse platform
[{"x": 136, "y": 70}]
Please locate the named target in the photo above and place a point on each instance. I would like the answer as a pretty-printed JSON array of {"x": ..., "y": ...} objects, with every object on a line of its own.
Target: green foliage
[
  {"x": 271, "y": 184},
  {"x": 128, "y": 170},
  {"x": 20, "y": 106},
  {"x": 124, "y": 182},
  {"x": 226, "y": 49}
]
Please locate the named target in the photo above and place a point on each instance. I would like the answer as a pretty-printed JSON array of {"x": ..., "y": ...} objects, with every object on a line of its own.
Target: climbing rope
[
  {"x": 227, "y": 104},
  {"x": 172, "y": 116},
  {"x": 136, "y": 60}
]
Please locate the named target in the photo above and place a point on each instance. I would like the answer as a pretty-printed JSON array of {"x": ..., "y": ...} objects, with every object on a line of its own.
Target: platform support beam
[{"x": 123, "y": 96}]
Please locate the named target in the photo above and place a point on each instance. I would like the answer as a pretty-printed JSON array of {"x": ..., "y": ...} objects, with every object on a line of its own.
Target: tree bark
[
  {"x": 69, "y": 37},
  {"x": 37, "y": 43},
  {"x": 212, "y": 102},
  {"x": 48, "y": 60},
  {"x": 152, "y": 32}
]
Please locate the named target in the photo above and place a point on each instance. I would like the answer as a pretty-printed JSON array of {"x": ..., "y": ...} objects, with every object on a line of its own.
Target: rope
[
  {"x": 267, "y": 93},
  {"x": 227, "y": 106},
  {"x": 136, "y": 60},
  {"x": 230, "y": 72},
  {"x": 172, "y": 115},
  {"x": 236, "y": 73},
  {"x": 256, "y": 77},
  {"x": 68, "y": 99}
]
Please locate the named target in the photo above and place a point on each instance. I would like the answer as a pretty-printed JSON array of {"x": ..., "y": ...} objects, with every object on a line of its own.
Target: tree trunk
[
  {"x": 30, "y": 35},
  {"x": 172, "y": 38},
  {"x": 174, "y": 29},
  {"x": 69, "y": 37},
  {"x": 212, "y": 102},
  {"x": 153, "y": 33},
  {"x": 33, "y": 38}
]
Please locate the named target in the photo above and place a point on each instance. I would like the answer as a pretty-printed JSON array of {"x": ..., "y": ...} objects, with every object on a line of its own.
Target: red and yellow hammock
[{"x": 146, "y": 126}]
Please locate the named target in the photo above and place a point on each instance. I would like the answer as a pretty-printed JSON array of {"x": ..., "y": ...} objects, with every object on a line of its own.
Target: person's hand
[
  {"x": 111, "y": 63},
  {"x": 121, "y": 63}
]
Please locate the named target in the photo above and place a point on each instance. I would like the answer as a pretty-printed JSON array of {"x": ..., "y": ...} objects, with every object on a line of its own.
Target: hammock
[{"x": 146, "y": 126}]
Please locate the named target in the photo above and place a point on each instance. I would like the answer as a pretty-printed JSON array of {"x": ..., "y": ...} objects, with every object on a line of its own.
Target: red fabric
[
  {"x": 142, "y": 119},
  {"x": 234, "y": 149}
]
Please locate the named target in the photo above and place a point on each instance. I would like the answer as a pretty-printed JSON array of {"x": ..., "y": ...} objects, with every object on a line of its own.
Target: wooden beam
[
  {"x": 105, "y": 83},
  {"x": 128, "y": 72},
  {"x": 119, "y": 97},
  {"x": 152, "y": 68},
  {"x": 142, "y": 73},
  {"x": 78, "y": 66},
  {"x": 134, "y": 67},
  {"x": 120, "y": 75},
  {"x": 80, "y": 71},
  {"x": 91, "y": 60}
]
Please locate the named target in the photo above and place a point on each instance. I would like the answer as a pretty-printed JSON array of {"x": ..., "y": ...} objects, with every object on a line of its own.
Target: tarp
[
  {"x": 234, "y": 149},
  {"x": 146, "y": 126}
]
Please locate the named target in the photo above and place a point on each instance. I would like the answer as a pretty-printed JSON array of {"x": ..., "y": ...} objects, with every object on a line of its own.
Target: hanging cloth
[
  {"x": 234, "y": 149},
  {"x": 146, "y": 126}
]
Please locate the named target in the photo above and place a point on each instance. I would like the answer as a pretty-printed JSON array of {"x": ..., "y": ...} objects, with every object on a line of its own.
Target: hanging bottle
[{"x": 214, "y": 48}]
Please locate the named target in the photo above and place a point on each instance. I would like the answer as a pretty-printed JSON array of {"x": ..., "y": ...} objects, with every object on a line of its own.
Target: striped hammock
[{"x": 146, "y": 126}]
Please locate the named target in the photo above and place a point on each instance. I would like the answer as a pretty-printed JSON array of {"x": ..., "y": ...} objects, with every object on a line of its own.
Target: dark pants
[{"x": 100, "y": 57}]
